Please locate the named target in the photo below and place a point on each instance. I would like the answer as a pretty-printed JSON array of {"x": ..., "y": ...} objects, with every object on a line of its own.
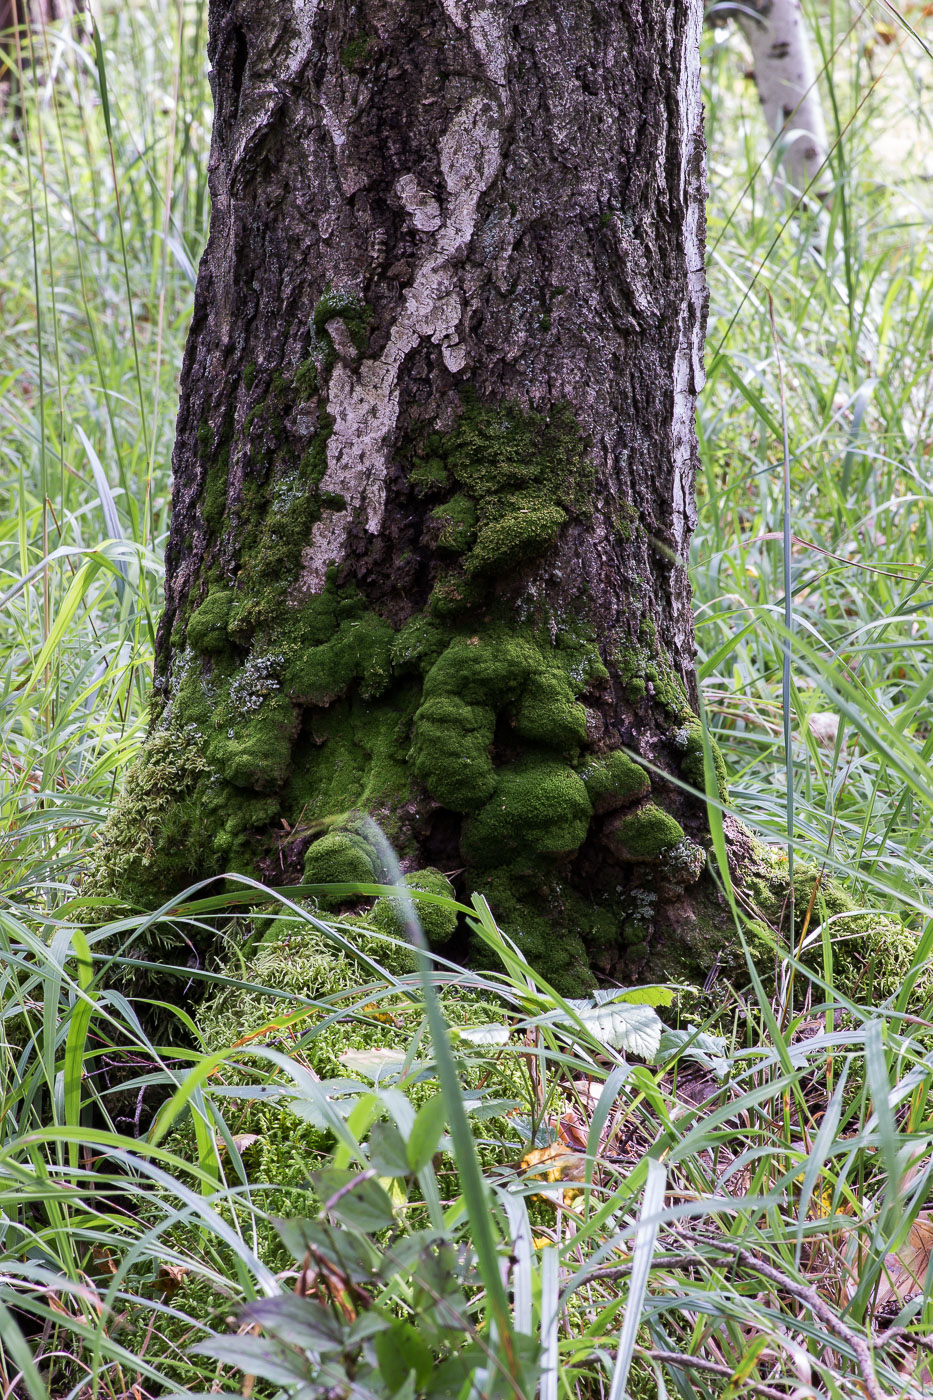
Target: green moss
[
  {"x": 249, "y": 375},
  {"x": 523, "y": 533},
  {"x": 306, "y": 380},
  {"x": 216, "y": 476},
  {"x": 439, "y": 922},
  {"x": 538, "y": 806},
  {"x": 340, "y": 304},
  {"x": 548, "y": 714},
  {"x": 526, "y": 473},
  {"x": 645, "y": 834},
  {"x": 457, "y": 524},
  {"x": 355, "y": 54},
  {"x": 334, "y": 641},
  {"x": 155, "y": 839},
  {"x": 450, "y": 751},
  {"x": 418, "y": 644},
  {"x": 689, "y": 740},
  {"x": 428, "y": 476},
  {"x": 339, "y": 858},
  {"x": 252, "y": 748},
  {"x": 546, "y": 921},
  {"x": 352, "y": 756},
  {"x": 614, "y": 781},
  {"x": 208, "y": 624}
]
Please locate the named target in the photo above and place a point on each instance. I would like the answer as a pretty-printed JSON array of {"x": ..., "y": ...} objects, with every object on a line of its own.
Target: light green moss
[
  {"x": 208, "y": 625},
  {"x": 340, "y": 858},
  {"x": 250, "y": 740},
  {"x": 450, "y": 751},
  {"x": 645, "y": 834},
  {"x": 456, "y": 519},
  {"x": 438, "y": 922},
  {"x": 614, "y": 781},
  {"x": 522, "y": 534},
  {"x": 526, "y": 474},
  {"x": 539, "y": 806}
]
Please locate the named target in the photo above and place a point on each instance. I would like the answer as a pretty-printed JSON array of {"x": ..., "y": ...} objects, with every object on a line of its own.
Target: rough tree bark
[{"x": 434, "y": 471}]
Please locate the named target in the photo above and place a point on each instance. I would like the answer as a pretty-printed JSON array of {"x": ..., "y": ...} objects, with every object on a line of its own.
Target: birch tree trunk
[
  {"x": 434, "y": 472},
  {"x": 785, "y": 75},
  {"x": 13, "y": 12}
]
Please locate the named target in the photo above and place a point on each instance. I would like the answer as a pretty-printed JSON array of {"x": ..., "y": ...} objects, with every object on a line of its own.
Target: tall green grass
[{"x": 745, "y": 1201}]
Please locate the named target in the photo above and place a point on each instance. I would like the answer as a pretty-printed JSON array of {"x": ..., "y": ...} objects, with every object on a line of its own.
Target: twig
[
  {"x": 696, "y": 1363},
  {"x": 807, "y": 1294}
]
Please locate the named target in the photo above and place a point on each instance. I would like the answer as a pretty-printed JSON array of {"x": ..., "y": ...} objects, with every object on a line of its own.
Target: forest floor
[{"x": 683, "y": 1190}]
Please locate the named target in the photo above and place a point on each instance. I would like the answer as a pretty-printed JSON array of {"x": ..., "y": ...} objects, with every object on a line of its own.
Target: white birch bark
[{"x": 785, "y": 74}]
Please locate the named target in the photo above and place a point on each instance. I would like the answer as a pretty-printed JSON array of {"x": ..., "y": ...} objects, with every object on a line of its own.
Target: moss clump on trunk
[{"x": 298, "y": 709}]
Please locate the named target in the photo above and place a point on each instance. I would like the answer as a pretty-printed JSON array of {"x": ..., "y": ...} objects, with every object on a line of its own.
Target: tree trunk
[
  {"x": 785, "y": 75},
  {"x": 434, "y": 471},
  {"x": 13, "y": 12}
]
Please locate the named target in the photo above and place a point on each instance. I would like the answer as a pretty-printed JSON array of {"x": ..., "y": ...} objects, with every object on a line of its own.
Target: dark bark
[{"x": 440, "y": 377}]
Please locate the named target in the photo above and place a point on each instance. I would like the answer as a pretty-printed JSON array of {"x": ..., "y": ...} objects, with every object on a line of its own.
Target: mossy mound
[
  {"x": 340, "y": 858},
  {"x": 643, "y": 835},
  {"x": 438, "y": 921}
]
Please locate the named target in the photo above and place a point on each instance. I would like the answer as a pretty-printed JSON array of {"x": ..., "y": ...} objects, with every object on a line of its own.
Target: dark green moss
[
  {"x": 428, "y": 476},
  {"x": 353, "y": 756},
  {"x": 216, "y": 477},
  {"x": 249, "y": 374},
  {"x": 340, "y": 304},
  {"x": 355, "y": 55},
  {"x": 335, "y": 642},
  {"x": 306, "y": 380},
  {"x": 689, "y": 740},
  {"x": 547, "y": 923}
]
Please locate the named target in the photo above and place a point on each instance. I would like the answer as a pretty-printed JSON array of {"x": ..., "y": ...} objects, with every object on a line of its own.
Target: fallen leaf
[
  {"x": 490, "y": 1034},
  {"x": 371, "y": 1063},
  {"x": 824, "y": 726},
  {"x": 241, "y": 1141},
  {"x": 905, "y": 1268}
]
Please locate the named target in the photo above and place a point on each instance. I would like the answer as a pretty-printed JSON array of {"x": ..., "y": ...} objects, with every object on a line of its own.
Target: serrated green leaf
[
  {"x": 633, "y": 1028},
  {"x": 707, "y": 1050}
]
